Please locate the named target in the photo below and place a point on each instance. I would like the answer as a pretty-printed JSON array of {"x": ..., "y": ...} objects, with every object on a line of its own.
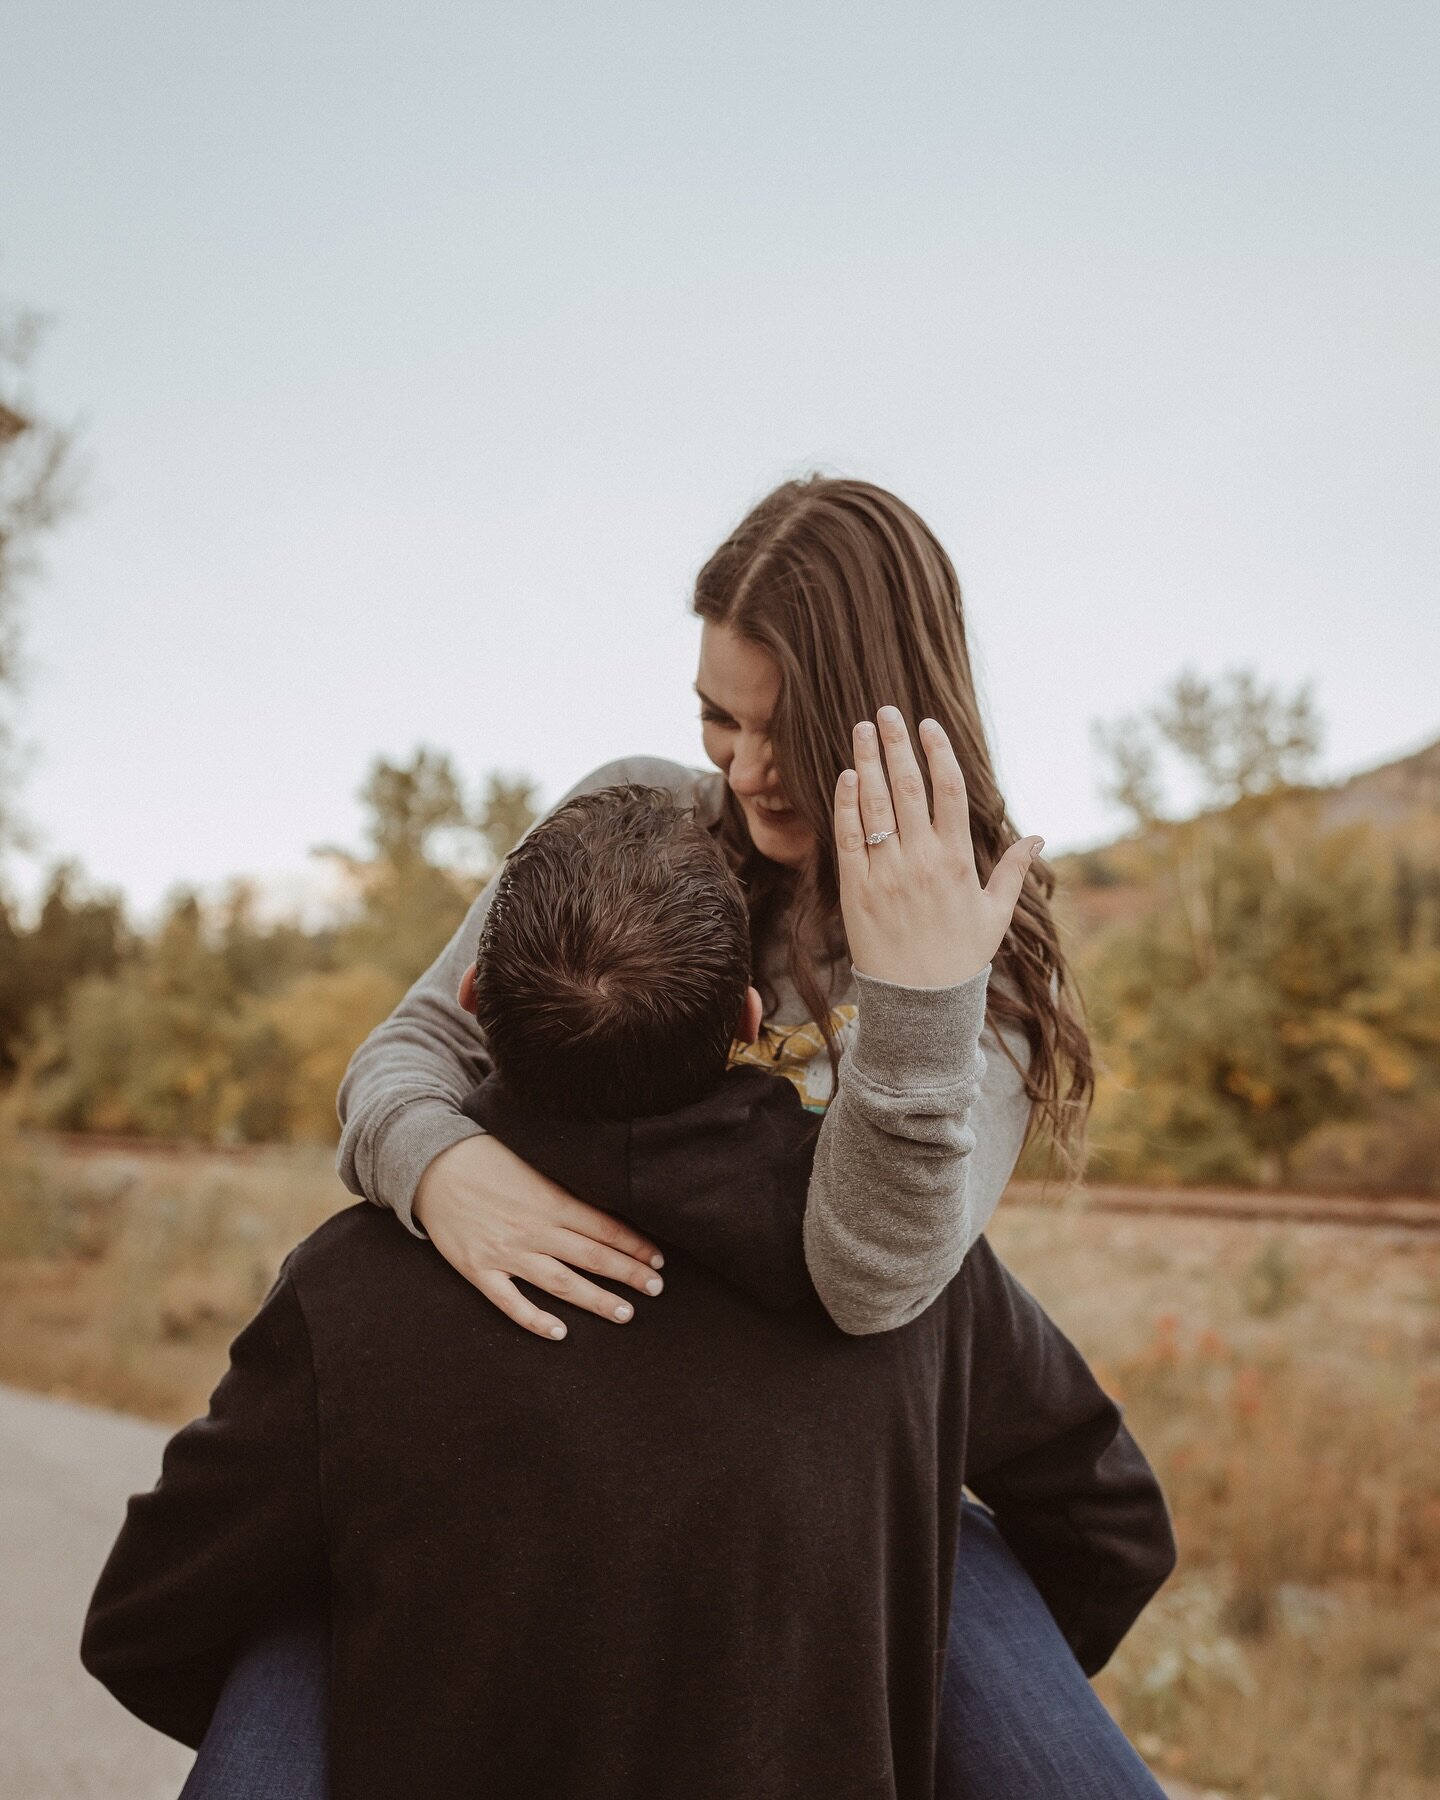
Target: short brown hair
[{"x": 614, "y": 959}]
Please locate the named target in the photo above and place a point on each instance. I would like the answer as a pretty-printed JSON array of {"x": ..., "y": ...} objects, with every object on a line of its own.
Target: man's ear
[
  {"x": 466, "y": 996},
  {"x": 751, "y": 1014}
]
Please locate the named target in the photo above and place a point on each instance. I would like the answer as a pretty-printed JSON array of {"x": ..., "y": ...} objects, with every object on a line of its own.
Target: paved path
[{"x": 65, "y": 1472}]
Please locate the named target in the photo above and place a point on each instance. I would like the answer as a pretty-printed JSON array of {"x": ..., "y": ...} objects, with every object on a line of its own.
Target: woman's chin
[{"x": 785, "y": 840}]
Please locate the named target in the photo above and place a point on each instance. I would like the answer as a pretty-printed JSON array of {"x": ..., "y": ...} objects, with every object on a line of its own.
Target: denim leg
[
  {"x": 1019, "y": 1720},
  {"x": 267, "y": 1740}
]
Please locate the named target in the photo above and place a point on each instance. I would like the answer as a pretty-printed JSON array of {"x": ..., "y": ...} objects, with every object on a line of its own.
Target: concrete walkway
[{"x": 65, "y": 1473}]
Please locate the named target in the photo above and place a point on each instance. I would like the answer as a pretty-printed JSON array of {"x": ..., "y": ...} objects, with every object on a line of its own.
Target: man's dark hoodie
[{"x": 709, "y": 1556}]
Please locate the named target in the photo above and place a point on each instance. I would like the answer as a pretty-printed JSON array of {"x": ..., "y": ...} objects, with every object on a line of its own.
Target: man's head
[{"x": 614, "y": 963}]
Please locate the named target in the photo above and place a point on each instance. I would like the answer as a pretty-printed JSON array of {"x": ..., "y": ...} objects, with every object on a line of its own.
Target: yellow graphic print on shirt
[{"x": 798, "y": 1053}]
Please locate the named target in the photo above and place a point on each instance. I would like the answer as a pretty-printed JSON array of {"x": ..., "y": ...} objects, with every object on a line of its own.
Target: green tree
[
  {"x": 506, "y": 812},
  {"x": 1238, "y": 739},
  {"x": 77, "y": 933},
  {"x": 219, "y": 1025},
  {"x": 37, "y": 489},
  {"x": 430, "y": 853},
  {"x": 1302, "y": 1012},
  {"x": 1273, "y": 984},
  {"x": 162, "y": 1047}
]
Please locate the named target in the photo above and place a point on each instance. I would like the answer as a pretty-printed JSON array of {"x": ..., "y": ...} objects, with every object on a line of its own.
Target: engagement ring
[{"x": 878, "y": 837}]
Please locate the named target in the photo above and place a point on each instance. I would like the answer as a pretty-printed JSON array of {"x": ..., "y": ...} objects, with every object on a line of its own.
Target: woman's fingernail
[
  {"x": 654, "y": 1285},
  {"x": 1039, "y": 846},
  {"x": 890, "y": 714},
  {"x": 624, "y": 1310},
  {"x": 657, "y": 1261},
  {"x": 865, "y": 729},
  {"x": 557, "y": 1331},
  {"x": 848, "y": 778},
  {"x": 929, "y": 724}
]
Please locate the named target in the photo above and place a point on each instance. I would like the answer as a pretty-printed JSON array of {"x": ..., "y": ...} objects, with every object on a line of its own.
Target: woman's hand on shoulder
[
  {"x": 495, "y": 1219},
  {"x": 914, "y": 909}
]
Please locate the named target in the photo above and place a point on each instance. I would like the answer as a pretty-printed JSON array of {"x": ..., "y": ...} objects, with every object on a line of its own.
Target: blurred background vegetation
[
  {"x": 1262, "y": 976},
  {"x": 218, "y": 1025}
]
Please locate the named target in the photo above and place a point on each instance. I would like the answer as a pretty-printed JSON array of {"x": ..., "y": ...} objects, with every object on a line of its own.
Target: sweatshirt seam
[
  {"x": 382, "y": 1127},
  {"x": 369, "y": 1137},
  {"x": 969, "y": 1078},
  {"x": 387, "y": 1118}
]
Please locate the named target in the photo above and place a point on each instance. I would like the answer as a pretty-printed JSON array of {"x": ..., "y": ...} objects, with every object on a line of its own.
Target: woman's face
[{"x": 739, "y": 685}]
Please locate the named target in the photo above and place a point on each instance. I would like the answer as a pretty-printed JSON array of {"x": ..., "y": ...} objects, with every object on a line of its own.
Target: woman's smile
[{"x": 739, "y": 689}]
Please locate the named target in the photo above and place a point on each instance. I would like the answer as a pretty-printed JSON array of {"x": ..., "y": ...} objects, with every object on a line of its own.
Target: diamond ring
[{"x": 878, "y": 837}]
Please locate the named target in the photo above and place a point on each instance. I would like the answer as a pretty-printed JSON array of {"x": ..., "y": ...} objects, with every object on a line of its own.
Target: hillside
[
  {"x": 1399, "y": 795},
  {"x": 1400, "y": 800}
]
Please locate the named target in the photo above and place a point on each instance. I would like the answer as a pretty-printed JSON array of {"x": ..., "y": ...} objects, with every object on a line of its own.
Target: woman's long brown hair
[{"x": 854, "y": 598}]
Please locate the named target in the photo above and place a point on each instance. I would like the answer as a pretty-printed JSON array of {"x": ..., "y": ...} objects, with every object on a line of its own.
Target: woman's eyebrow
[{"x": 715, "y": 704}]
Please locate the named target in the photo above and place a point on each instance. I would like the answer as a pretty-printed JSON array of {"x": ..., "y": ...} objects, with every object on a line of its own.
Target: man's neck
[{"x": 722, "y": 1179}]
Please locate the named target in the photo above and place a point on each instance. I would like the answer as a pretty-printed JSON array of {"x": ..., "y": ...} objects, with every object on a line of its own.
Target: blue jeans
[
  {"x": 267, "y": 1738},
  {"x": 1019, "y": 1721}
]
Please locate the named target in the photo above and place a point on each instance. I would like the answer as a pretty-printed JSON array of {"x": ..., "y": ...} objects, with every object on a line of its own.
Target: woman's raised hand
[
  {"x": 915, "y": 912},
  {"x": 493, "y": 1217}
]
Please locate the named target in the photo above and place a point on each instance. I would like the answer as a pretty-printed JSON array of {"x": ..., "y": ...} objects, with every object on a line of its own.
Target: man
[{"x": 712, "y": 1561}]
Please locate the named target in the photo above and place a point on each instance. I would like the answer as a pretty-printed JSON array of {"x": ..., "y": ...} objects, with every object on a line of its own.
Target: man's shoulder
[
  {"x": 993, "y": 1304},
  {"x": 356, "y": 1239}
]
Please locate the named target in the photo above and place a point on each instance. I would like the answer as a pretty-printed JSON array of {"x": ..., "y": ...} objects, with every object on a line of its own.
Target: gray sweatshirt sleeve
[
  {"x": 400, "y": 1097},
  {"x": 915, "y": 1151}
]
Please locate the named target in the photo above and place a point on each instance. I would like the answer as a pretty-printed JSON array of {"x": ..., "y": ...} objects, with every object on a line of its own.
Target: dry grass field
[{"x": 1284, "y": 1379}]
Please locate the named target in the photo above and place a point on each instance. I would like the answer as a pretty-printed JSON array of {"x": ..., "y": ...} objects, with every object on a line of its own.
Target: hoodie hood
[{"x": 723, "y": 1179}]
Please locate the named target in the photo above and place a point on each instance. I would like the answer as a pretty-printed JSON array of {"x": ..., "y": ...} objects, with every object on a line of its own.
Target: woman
[{"x": 831, "y": 596}]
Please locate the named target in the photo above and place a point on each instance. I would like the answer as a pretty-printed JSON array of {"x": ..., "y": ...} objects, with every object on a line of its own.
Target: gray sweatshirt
[{"x": 914, "y": 1152}]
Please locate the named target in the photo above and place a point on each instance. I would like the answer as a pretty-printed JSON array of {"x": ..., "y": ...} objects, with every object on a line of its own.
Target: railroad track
[
  {"x": 105, "y": 1143},
  {"x": 1259, "y": 1206},
  {"x": 1246, "y": 1204}
]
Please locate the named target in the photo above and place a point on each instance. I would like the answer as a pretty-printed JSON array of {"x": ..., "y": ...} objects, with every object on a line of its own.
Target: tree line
[
  {"x": 1263, "y": 989},
  {"x": 219, "y": 1024}
]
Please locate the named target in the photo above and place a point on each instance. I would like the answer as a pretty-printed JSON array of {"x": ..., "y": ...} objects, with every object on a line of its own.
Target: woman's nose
[{"x": 751, "y": 770}]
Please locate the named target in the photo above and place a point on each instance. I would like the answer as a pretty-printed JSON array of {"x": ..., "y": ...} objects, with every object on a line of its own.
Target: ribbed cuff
[
  {"x": 915, "y": 1036},
  {"x": 408, "y": 1143}
]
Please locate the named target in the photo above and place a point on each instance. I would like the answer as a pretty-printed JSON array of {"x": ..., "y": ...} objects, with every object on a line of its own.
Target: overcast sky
[{"x": 424, "y": 352}]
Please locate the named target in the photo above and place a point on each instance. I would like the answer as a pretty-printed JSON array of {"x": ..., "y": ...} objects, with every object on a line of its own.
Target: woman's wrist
[
  {"x": 908, "y": 1036},
  {"x": 407, "y": 1148}
]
